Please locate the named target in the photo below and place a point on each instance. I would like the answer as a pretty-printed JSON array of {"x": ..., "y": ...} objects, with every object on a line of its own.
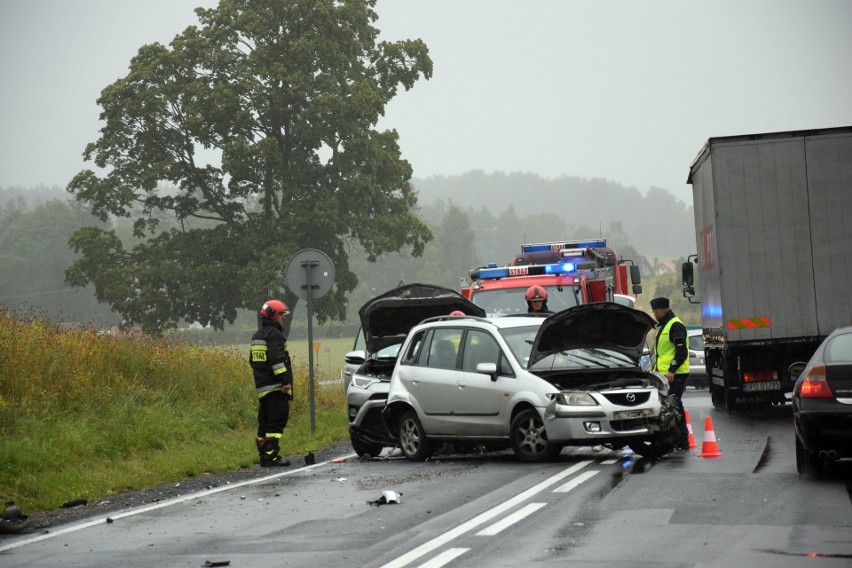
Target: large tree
[{"x": 285, "y": 95}]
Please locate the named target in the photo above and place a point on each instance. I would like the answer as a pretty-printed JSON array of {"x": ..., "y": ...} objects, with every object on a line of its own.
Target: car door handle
[{"x": 461, "y": 383}]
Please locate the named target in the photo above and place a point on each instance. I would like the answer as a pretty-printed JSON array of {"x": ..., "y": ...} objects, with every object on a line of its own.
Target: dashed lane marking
[{"x": 483, "y": 518}]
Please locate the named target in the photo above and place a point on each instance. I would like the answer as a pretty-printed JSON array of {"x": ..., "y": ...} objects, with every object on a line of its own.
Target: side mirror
[
  {"x": 355, "y": 357},
  {"x": 487, "y": 369},
  {"x": 636, "y": 279},
  {"x": 687, "y": 275},
  {"x": 635, "y": 275}
]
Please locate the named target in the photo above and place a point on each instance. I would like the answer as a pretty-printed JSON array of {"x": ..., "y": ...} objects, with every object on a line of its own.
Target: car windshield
[
  {"x": 389, "y": 352},
  {"x": 696, "y": 342},
  {"x": 520, "y": 340},
  {"x": 505, "y": 301}
]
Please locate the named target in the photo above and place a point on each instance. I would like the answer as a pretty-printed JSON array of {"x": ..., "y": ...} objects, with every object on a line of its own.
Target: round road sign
[{"x": 309, "y": 267}]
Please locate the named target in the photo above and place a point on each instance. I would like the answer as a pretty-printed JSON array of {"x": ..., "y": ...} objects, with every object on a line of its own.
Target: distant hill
[{"x": 657, "y": 223}]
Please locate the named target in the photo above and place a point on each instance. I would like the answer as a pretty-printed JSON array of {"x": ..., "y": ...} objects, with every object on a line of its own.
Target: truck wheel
[
  {"x": 412, "y": 439},
  {"x": 529, "y": 438},
  {"x": 717, "y": 397},
  {"x": 363, "y": 448},
  {"x": 808, "y": 463}
]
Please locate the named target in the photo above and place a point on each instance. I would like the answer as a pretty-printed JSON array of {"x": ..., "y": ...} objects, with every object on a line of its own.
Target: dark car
[
  {"x": 822, "y": 404},
  {"x": 385, "y": 322}
]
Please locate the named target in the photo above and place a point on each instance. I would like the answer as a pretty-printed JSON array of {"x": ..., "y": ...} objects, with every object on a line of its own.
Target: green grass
[{"x": 83, "y": 416}]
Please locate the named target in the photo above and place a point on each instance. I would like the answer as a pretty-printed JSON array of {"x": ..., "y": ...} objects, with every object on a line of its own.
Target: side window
[
  {"x": 443, "y": 350},
  {"x": 479, "y": 347},
  {"x": 414, "y": 348}
]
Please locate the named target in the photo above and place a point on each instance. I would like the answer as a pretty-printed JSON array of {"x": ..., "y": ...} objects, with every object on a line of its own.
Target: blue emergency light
[
  {"x": 559, "y": 247},
  {"x": 528, "y": 270}
]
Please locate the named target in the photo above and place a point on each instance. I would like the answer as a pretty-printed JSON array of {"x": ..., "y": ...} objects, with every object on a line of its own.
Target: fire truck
[{"x": 572, "y": 273}]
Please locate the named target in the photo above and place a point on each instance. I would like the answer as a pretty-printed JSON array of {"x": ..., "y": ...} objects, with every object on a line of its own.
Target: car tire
[
  {"x": 808, "y": 463},
  {"x": 529, "y": 438},
  {"x": 364, "y": 449},
  {"x": 412, "y": 438}
]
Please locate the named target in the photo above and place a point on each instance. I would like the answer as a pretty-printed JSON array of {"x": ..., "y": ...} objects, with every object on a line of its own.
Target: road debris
[
  {"x": 12, "y": 520},
  {"x": 387, "y": 498}
]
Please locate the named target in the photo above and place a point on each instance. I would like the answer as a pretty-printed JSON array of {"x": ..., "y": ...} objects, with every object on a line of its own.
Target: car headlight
[
  {"x": 362, "y": 382},
  {"x": 574, "y": 399}
]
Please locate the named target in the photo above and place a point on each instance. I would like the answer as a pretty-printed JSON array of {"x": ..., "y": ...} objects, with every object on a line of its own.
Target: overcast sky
[{"x": 626, "y": 90}]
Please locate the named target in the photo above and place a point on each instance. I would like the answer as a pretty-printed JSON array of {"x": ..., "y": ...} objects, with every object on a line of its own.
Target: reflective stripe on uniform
[
  {"x": 266, "y": 389},
  {"x": 279, "y": 368}
]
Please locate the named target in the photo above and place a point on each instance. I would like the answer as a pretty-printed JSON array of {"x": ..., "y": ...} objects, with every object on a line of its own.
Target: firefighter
[
  {"x": 672, "y": 358},
  {"x": 536, "y": 297},
  {"x": 273, "y": 380}
]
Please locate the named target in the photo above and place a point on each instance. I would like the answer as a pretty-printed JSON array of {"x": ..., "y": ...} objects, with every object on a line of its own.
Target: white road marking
[
  {"x": 483, "y": 518},
  {"x": 507, "y": 522},
  {"x": 609, "y": 462},
  {"x": 444, "y": 558},
  {"x": 188, "y": 497},
  {"x": 576, "y": 481}
]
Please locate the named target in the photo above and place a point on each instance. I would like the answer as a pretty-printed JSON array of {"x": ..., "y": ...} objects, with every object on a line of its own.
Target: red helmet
[
  {"x": 536, "y": 293},
  {"x": 456, "y": 313},
  {"x": 272, "y": 308}
]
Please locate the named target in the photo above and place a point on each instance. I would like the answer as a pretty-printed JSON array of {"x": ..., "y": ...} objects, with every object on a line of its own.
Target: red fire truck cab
[{"x": 572, "y": 273}]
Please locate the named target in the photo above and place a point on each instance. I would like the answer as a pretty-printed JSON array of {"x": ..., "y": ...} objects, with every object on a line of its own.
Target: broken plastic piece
[{"x": 387, "y": 498}]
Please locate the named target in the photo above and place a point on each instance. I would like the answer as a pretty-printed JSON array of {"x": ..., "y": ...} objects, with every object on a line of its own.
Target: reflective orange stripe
[{"x": 748, "y": 323}]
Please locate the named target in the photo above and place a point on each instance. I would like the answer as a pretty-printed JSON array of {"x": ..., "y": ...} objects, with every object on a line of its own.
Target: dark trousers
[
  {"x": 676, "y": 388},
  {"x": 273, "y": 411}
]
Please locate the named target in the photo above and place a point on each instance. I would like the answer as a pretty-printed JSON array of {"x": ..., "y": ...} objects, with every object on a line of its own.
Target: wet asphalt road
[{"x": 747, "y": 507}]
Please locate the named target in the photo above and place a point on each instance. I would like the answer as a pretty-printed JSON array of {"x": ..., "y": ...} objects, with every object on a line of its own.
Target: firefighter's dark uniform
[
  {"x": 270, "y": 363},
  {"x": 673, "y": 356}
]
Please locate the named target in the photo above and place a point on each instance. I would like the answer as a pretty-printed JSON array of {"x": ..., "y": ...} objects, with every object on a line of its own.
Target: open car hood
[
  {"x": 387, "y": 318},
  {"x": 603, "y": 325}
]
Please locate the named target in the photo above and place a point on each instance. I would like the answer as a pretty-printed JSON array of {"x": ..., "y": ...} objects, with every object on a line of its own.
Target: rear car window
[{"x": 839, "y": 350}]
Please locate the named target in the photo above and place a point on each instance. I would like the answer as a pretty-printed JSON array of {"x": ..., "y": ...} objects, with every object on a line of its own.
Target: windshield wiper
[
  {"x": 617, "y": 356},
  {"x": 575, "y": 356}
]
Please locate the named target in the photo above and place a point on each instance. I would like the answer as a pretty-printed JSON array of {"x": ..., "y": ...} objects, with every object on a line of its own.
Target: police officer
[
  {"x": 672, "y": 358},
  {"x": 536, "y": 298},
  {"x": 273, "y": 379}
]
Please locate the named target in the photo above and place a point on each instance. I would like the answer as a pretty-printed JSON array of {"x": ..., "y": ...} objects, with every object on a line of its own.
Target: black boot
[{"x": 269, "y": 453}]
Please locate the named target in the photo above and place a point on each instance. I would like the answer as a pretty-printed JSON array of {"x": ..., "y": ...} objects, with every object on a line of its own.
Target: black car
[{"x": 822, "y": 404}]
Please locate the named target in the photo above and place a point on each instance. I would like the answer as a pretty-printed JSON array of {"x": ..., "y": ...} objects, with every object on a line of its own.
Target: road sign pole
[
  {"x": 310, "y": 275},
  {"x": 309, "y": 285}
]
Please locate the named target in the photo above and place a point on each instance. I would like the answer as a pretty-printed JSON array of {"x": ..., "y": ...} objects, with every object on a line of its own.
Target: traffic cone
[
  {"x": 690, "y": 438},
  {"x": 709, "y": 449}
]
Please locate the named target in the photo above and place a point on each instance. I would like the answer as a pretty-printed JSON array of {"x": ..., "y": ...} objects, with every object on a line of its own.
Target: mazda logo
[{"x": 631, "y": 397}]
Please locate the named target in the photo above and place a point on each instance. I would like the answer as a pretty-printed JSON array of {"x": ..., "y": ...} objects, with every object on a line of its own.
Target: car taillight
[{"x": 814, "y": 384}]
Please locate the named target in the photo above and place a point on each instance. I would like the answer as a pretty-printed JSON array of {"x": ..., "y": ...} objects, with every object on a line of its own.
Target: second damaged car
[
  {"x": 385, "y": 322},
  {"x": 531, "y": 383}
]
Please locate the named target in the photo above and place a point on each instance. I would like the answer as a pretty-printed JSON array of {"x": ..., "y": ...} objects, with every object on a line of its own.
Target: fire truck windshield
[{"x": 506, "y": 301}]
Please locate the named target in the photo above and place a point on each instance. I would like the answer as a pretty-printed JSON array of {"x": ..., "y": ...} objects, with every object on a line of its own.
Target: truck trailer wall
[{"x": 774, "y": 232}]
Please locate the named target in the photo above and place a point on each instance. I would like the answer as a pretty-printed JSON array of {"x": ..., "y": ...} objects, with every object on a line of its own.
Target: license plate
[
  {"x": 766, "y": 386},
  {"x": 628, "y": 414}
]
